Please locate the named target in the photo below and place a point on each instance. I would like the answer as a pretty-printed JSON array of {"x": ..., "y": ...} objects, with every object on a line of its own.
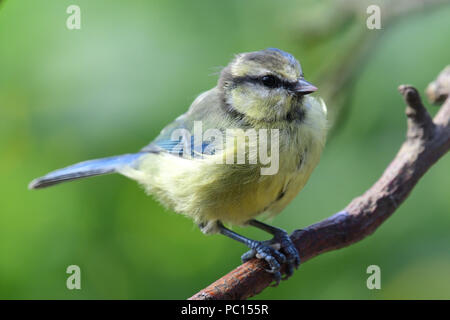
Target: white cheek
[
  {"x": 259, "y": 92},
  {"x": 254, "y": 96}
]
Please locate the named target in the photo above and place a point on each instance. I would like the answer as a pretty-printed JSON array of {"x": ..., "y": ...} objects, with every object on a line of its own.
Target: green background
[{"x": 109, "y": 88}]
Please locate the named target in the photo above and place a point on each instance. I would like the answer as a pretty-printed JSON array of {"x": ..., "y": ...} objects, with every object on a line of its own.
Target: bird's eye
[{"x": 270, "y": 81}]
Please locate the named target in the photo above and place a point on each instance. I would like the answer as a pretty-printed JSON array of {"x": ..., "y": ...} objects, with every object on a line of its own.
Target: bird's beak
[{"x": 304, "y": 87}]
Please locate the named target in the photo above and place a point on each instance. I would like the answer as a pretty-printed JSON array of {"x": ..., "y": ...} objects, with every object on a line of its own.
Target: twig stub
[
  {"x": 438, "y": 90},
  {"x": 420, "y": 124}
]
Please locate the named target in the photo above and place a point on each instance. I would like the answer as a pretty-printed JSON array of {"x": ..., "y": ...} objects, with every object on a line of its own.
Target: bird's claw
[
  {"x": 289, "y": 249},
  {"x": 276, "y": 252}
]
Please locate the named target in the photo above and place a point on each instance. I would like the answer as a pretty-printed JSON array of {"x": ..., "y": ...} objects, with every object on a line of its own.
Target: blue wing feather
[{"x": 178, "y": 147}]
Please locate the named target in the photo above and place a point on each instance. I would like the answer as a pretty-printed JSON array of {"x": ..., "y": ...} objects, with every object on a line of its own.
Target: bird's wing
[{"x": 180, "y": 135}]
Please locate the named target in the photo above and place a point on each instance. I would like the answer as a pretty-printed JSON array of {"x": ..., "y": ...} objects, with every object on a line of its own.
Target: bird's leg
[
  {"x": 281, "y": 241},
  {"x": 261, "y": 248}
]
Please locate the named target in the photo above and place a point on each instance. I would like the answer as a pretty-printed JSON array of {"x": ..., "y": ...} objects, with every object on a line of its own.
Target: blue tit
[{"x": 190, "y": 171}]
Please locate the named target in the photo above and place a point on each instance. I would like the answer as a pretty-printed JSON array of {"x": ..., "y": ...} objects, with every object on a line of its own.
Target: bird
[{"x": 191, "y": 168}]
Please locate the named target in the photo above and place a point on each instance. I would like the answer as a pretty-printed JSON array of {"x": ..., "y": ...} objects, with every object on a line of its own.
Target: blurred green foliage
[{"x": 109, "y": 88}]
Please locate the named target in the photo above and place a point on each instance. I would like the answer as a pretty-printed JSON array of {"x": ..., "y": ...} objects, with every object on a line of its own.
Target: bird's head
[{"x": 265, "y": 85}]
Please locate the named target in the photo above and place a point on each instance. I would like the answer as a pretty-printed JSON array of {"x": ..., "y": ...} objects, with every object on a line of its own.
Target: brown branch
[{"x": 427, "y": 140}]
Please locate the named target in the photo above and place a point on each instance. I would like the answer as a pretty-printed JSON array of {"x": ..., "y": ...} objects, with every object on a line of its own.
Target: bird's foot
[{"x": 277, "y": 251}]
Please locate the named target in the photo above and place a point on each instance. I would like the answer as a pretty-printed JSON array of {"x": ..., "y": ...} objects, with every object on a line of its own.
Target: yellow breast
[{"x": 235, "y": 193}]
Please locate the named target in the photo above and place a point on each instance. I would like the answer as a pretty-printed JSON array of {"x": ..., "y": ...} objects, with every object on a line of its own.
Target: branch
[{"x": 427, "y": 140}]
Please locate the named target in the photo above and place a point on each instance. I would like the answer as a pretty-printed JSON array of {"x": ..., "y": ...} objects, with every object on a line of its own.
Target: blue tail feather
[{"x": 86, "y": 169}]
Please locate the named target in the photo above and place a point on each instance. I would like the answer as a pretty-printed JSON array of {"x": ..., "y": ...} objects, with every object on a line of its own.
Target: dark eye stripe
[
  {"x": 271, "y": 81},
  {"x": 259, "y": 80}
]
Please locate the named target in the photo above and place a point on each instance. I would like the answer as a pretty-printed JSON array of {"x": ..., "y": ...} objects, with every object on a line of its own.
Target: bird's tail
[{"x": 86, "y": 169}]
